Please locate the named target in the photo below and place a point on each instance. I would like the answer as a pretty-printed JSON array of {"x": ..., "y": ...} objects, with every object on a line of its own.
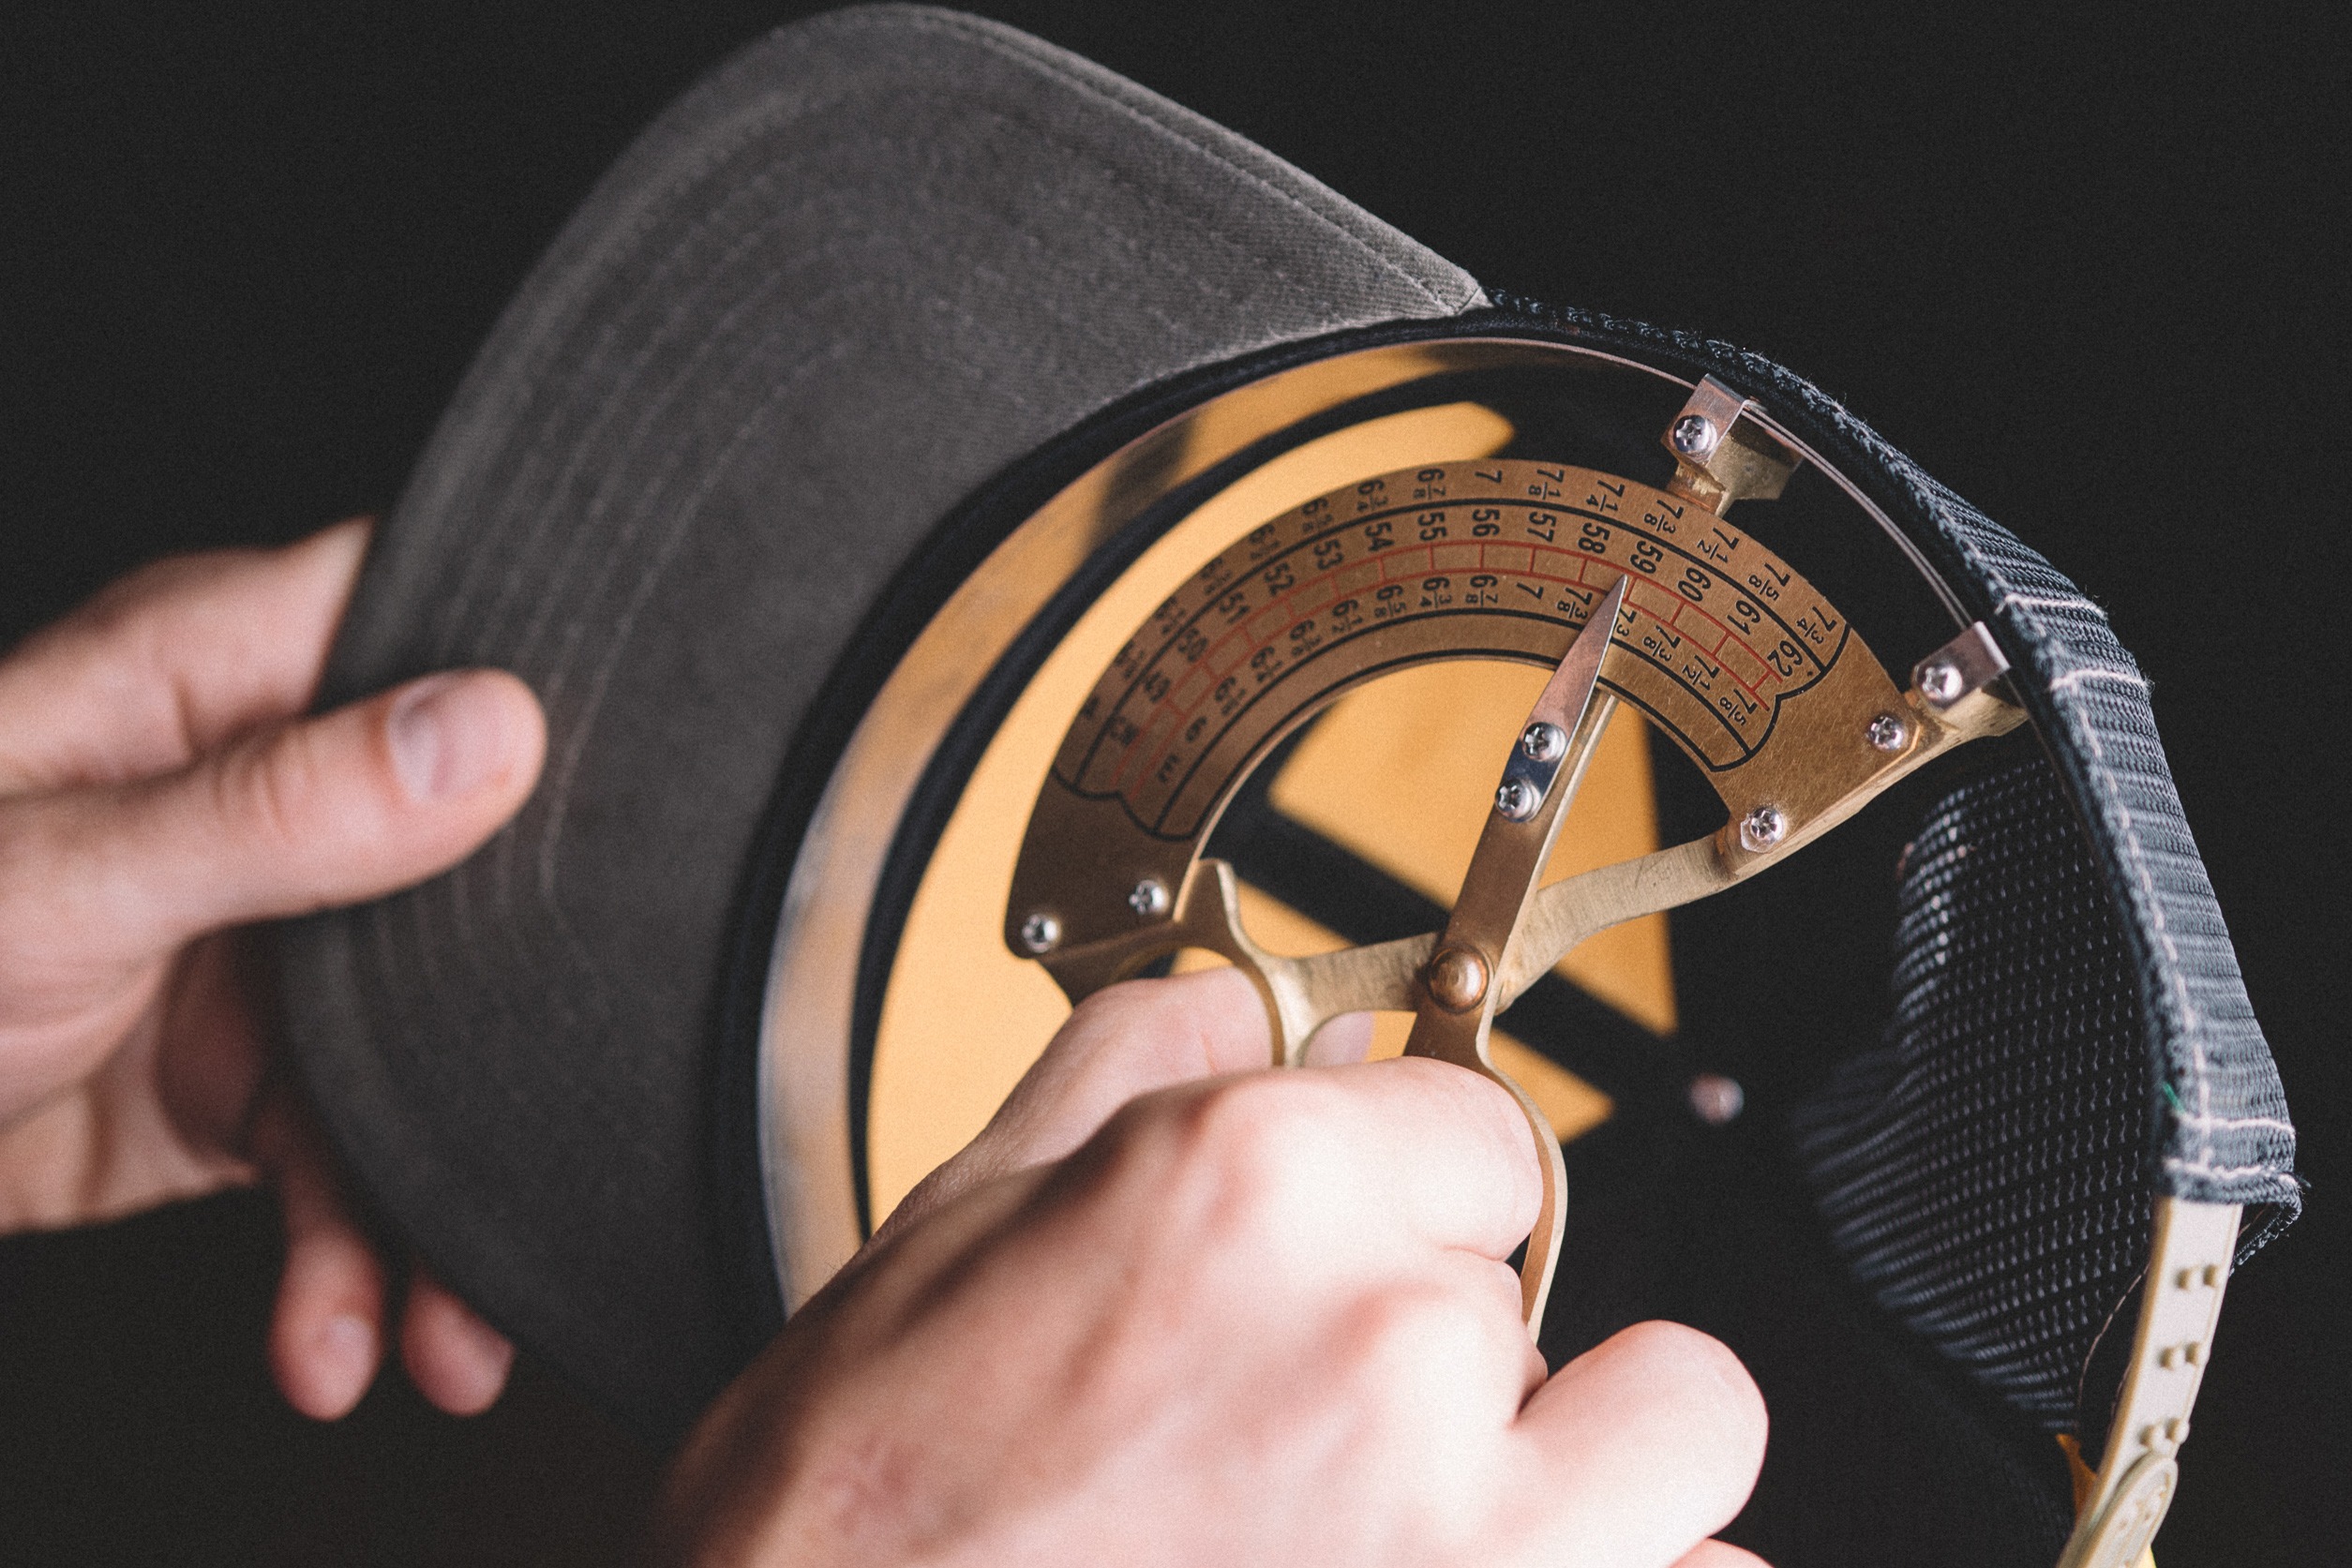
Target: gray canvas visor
[{"x": 861, "y": 268}]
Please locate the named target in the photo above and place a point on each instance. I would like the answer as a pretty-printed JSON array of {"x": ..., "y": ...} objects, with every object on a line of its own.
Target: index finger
[
  {"x": 173, "y": 659},
  {"x": 1120, "y": 1042}
]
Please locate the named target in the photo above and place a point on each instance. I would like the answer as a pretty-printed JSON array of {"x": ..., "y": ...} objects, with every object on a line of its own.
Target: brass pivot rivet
[{"x": 1457, "y": 979}]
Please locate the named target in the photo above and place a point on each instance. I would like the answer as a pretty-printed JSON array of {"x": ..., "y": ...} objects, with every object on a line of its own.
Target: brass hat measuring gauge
[
  {"x": 1729, "y": 651},
  {"x": 1298, "y": 544},
  {"x": 1278, "y": 571}
]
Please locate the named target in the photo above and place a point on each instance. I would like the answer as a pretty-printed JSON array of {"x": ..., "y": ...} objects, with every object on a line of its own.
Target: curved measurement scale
[
  {"x": 1732, "y": 654},
  {"x": 1352, "y": 583},
  {"x": 1726, "y": 649}
]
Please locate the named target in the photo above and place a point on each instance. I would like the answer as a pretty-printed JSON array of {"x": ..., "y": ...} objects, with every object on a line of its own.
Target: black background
[{"x": 2086, "y": 270}]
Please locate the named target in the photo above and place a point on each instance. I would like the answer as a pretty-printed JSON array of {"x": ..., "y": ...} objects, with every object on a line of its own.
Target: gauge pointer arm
[
  {"x": 1458, "y": 989},
  {"x": 1304, "y": 992}
]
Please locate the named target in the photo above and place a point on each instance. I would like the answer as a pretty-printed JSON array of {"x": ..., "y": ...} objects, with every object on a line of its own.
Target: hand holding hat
[{"x": 157, "y": 790}]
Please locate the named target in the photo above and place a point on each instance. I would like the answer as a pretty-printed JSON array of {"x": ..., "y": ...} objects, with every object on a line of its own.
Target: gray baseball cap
[{"x": 838, "y": 322}]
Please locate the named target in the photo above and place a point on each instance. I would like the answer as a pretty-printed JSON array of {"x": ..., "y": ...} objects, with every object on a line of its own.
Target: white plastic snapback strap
[{"x": 2188, "y": 1265}]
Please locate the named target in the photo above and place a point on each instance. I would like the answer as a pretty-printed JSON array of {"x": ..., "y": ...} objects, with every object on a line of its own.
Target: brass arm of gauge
[
  {"x": 1455, "y": 1015},
  {"x": 1951, "y": 713},
  {"x": 1303, "y": 993}
]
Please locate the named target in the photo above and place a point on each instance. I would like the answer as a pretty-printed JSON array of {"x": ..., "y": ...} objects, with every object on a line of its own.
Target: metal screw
[
  {"x": 1544, "y": 742},
  {"x": 1148, "y": 898},
  {"x": 1716, "y": 1099},
  {"x": 1940, "y": 681},
  {"x": 1695, "y": 435},
  {"x": 1517, "y": 800},
  {"x": 1888, "y": 733},
  {"x": 1762, "y": 828},
  {"x": 1457, "y": 979},
  {"x": 1041, "y": 934}
]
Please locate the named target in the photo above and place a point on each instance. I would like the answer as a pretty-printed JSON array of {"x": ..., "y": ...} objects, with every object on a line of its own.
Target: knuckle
[
  {"x": 26, "y": 874},
  {"x": 1425, "y": 1367},
  {"x": 1231, "y": 1160},
  {"x": 1103, "y": 1009},
  {"x": 1398, "y": 1333},
  {"x": 1259, "y": 1141},
  {"x": 1123, "y": 1005},
  {"x": 273, "y": 788},
  {"x": 1127, "y": 1024}
]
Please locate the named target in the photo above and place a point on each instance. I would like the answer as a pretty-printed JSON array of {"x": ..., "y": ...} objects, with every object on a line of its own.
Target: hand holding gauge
[{"x": 1736, "y": 658}]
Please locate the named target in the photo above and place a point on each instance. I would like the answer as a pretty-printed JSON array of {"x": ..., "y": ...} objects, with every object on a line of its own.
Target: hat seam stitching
[{"x": 941, "y": 24}]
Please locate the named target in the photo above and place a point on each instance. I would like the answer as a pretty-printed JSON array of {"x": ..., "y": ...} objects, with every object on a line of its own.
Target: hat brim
[{"x": 863, "y": 266}]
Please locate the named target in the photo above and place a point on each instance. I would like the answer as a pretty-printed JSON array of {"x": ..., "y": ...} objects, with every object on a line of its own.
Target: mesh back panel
[
  {"x": 2225, "y": 1137},
  {"x": 1983, "y": 1170}
]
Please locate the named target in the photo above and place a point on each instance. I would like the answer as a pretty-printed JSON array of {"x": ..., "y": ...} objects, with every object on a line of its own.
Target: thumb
[
  {"x": 328, "y": 811},
  {"x": 1651, "y": 1442}
]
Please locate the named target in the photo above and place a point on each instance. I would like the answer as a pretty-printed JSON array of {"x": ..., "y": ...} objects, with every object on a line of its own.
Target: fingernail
[
  {"x": 344, "y": 1349},
  {"x": 449, "y": 736},
  {"x": 485, "y": 1358}
]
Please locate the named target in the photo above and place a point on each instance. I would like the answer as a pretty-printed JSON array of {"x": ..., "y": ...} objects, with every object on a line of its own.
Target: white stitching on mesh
[
  {"x": 2047, "y": 602},
  {"x": 2020, "y": 608},
  {"x": 2281, "y": 1123},
  {"x": 2098, "y": 672},
  {"x": 2205, "y": 1168}
]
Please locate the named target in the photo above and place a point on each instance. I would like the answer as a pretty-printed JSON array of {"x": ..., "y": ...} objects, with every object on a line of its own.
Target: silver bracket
[
  {"x": 2188, "y": 1265},
  {"x": 1723, "y": 453}
]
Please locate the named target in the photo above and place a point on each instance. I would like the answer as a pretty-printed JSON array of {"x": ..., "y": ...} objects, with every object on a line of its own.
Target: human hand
[
  {"x": 157, "y": 789},
  {"x": 1165, "y": 1310}
]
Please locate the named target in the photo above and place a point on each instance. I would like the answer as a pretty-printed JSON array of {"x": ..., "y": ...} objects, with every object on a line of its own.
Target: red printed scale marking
[{"x": 1456, "y": 560}]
